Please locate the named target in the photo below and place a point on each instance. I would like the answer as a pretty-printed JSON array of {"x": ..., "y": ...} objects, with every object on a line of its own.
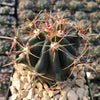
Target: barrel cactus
[{"x": 48, "y": 49}]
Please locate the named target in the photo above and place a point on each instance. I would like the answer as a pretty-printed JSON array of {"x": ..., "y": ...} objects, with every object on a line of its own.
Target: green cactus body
[
  {"x": 52, "y": 59},
  {"x": 43, "y": 62}
]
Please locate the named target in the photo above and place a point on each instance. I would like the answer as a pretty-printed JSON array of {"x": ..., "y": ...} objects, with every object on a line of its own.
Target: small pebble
[
  {"x": 45, "y": 93},
  {"x": 80, "y": 92},
  {"x": 13, "y": 90},
  {"x": 80, "y": 82},
  {"x": 36, "y": 99},
  {"x": 71, "y": 94},
  {"x": 13, "y": 97},
  {"x": 25, "y": 99},
  {"x": 30, "y": 94},
  {"x": 65, "y": 90},
  {"x": 56, "y": 97},
  {"x": 51, "y": 93},
  {"x": 46, "y": 86},
  {"x": 63, "y": 97},
  {"x": 85, "y": 98},
  {"x": 39, "y": 86},
  {"x": 27, "y": 86},
  {"x": 46, "y": 98}
]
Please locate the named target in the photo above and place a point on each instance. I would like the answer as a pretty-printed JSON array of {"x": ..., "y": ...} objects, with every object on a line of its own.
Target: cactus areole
[{"x": 49, "y": 48}]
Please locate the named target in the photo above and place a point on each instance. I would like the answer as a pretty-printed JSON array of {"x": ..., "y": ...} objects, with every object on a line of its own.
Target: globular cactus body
[
  {"x": 51, "y": 59},
  {"x": 55, "y": 50}
]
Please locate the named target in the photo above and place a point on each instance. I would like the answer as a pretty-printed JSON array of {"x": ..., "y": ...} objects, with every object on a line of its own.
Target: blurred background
[{"x": 84, "y": 11}]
